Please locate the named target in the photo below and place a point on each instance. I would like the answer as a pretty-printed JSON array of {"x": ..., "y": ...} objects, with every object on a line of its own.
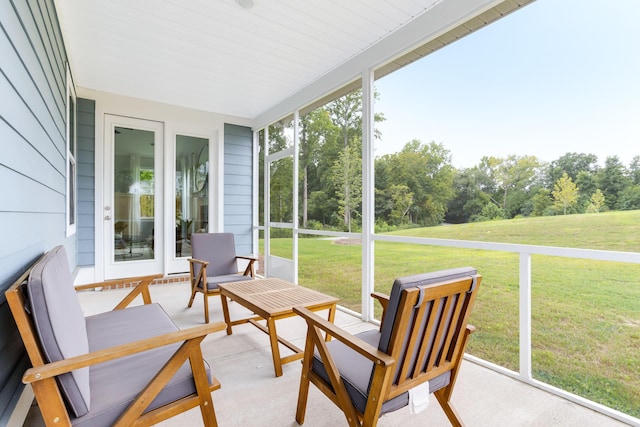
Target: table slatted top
[{"x": 274, "y": 296}]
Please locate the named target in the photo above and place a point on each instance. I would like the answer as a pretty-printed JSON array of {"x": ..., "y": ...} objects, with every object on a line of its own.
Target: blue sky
[{"x": 557, "y": 76}]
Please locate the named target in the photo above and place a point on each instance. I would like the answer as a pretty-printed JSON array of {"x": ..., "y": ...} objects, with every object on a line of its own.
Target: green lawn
[{"x": 586, "y": 314}]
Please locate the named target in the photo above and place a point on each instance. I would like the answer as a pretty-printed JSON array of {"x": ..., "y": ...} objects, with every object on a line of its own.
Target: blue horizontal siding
[
  {"x": 238, "y": 182},
  {"x": 32, "y": 162},
  {"x": 85, "y": 160}
]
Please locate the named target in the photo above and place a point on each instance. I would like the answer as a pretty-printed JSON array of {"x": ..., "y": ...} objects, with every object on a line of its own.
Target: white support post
[
  {"x": 525, "y": 316},
  {"x": 255, "y": 214},
  {"x": 368, "y": 210},
  {"x": 296, "y": 157},
  {"x": 267, "y": 202}
]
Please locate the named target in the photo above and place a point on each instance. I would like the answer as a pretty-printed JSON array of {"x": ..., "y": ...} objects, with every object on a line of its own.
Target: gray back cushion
[
  {"x": 60, "y": 324},
  {"x": 218, "y": 249},
  {"x": 410, "y": 282}
]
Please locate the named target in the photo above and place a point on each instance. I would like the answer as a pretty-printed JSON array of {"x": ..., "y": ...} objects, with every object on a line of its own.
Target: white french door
[
  {"x": 133, "y": 197},
  {"x": 192, "y": 183}
]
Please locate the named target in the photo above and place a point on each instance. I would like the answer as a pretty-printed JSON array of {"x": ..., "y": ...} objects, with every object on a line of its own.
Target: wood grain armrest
[
  {"x": 247, "y": 257},
  {"x": 141, "y": 288},
  {"x": 383, "y": 299},
  {"x": 249, "y": 271},
  {"x": 198, "y": 261},
  {"x": 63, "y": 366},
  {"x": 353, "y": 342}
]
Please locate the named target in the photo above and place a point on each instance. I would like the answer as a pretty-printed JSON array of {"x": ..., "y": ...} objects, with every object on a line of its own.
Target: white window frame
[{"x": 71, "y": 196}]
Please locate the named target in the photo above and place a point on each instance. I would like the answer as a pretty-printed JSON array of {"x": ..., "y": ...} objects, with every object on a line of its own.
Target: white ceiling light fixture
[{"x": 245, "y": 4}]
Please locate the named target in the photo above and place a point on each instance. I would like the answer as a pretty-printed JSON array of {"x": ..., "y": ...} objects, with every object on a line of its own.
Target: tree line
[{"x": 419, "y": 186}]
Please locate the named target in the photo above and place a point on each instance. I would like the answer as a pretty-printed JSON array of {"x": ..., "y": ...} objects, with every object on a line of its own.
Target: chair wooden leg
[
  {"x": 452, "y": 414},
  {"x": 202, "y": 386},
  {"x": 193, "y": 295},
  {"x": 444, "y": 394},
  {"x": 206, "y": 308},
  {"x": 303, "y": 393},
  {"x": 50, "y": 403}
]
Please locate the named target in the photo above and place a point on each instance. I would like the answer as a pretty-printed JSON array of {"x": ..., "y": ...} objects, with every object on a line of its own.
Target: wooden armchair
[
  {"x": 417, "y": 351},
  {"x": 215, "y": 261},
  {"x": 123, "y": 367}
]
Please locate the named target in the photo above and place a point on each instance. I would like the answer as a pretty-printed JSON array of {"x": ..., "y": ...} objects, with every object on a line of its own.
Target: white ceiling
[{"x": 214, "y": 55}]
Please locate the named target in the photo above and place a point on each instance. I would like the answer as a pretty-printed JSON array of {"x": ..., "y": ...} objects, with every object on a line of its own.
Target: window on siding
[{"x": 71, "y": 202}]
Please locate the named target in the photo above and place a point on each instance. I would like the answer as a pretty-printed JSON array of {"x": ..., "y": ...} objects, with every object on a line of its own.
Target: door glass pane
[
  {"x": 192, "y": 191},
  {"x": 134, "y": 194}
]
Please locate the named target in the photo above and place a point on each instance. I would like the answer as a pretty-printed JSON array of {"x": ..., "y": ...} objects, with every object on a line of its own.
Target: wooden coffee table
[{"x": 272, "y": 299}]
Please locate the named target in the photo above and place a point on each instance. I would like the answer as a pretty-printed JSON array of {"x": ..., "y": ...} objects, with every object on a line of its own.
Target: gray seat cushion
[
  {"x": 60, "y": 324},
  {"x": 218, "y": 249},
  {"x": 115, "y": 384},
  {"x": 356, "y": 372},
  {"x": 214, "y": 281}
]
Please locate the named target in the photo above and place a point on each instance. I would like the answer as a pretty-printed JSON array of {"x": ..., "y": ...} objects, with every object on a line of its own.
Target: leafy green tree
[
  {"x": 629, "y": 198},
  {"x": 572, "y": 164},
  {"x": 597, "y": 202},
  {"x": 321, "y": 206},
  {"x": 347, "y": 178},
  {"x": 612, "y": 179},
  {"x": 316, "y": 128},
  {"x": 510, "y": 174},
  {"x": 345, "y": 114},
  {"x": 426, "y": 170},
  {"x": 634, "y": 170},
  {"x": 490, "y": 212},
  {"x": 541, "y": 202},
  {"x": 402, "y": 199},
  {"x": 281, "y": 189},
  {"x": 565, "y": 193},
  {"x": 587, "y": 185},
  {"x": 469, "y": 199}
]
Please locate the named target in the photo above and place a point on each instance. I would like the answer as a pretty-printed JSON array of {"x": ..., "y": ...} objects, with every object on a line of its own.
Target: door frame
[{"x": 111, "y": 268}]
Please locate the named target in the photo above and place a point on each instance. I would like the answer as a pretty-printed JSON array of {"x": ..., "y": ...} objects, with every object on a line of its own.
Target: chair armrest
[
  {"x": 383, "y": 299},
  {"x": 141, "y": 288},
  {"x": 198, "y": 261},
  {"x": 361, "y": 347},
  {"x": 249, "y": 271},
  {"x": 54, "y": 369},
  {"x": 248, "y": 257}
]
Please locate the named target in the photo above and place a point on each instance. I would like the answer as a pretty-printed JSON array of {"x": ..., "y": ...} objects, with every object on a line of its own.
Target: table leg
[
  {"x": 225, "y": 312},
  {"x": 275, "y": 349}
]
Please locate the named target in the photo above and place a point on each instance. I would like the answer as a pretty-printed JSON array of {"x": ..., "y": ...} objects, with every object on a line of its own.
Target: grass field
[{"x": 586, "y": 314}]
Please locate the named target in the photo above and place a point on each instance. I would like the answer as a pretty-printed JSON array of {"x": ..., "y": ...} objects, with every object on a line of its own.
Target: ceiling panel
[{"x": 214, "y": 55}]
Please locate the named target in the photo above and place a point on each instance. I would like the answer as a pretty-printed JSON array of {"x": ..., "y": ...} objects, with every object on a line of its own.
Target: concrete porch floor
[{"x": 251, "y": 395}]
